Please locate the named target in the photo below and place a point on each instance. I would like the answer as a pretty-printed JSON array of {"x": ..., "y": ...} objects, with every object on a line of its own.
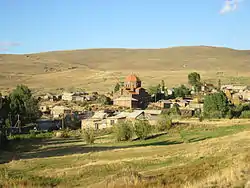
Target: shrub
[
  {"x": 32, "y": 133},
  {"x": 245, "y": 114},
  {"x": 164, "y": 123},
  {"x": 142, "y": 129},
  {"x": 123, "y": 131},
  {"x": 89, "y": 136},
  {"x": 62, "y": 134}
]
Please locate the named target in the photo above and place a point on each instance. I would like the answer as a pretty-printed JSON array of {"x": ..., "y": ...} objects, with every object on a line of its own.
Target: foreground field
[
  {"x": 102, "y": 68},
  {"x": 187, "y": 156}
]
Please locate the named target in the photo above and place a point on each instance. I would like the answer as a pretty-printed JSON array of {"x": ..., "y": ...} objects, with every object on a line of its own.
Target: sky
[{"x": 30, "y": 26}]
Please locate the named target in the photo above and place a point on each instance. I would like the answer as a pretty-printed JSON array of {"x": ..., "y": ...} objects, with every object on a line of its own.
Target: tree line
[{"x": 19, "y": 107}]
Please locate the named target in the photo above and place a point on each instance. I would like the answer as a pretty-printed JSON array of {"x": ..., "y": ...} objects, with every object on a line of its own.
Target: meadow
[{"x": 192, "y": 154}]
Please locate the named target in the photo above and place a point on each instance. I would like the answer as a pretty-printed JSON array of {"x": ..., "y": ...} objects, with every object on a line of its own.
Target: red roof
[{"x": 132, "y": 78}]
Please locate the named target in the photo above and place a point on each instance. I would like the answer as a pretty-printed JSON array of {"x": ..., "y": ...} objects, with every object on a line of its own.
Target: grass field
[
  {"x": 102, "y": 68},
  {"x": 211, "y": 154}
]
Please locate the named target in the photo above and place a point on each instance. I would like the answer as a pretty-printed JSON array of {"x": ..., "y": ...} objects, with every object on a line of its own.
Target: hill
[{"x": 100, "y": 68}]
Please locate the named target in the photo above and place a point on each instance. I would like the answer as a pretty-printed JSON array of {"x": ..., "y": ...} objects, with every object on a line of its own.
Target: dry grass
[
  {"x": 99, "y": 68},
  {"x": 159, "y": 162}
]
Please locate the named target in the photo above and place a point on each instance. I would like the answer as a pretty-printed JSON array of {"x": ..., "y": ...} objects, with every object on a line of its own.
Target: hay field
[
  {"x": 191, "y": 155},
  {"x": 101, "y": 68}
]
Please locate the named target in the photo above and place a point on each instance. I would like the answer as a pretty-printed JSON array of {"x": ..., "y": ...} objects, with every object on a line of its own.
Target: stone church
[{"x": 132, "y": 95}]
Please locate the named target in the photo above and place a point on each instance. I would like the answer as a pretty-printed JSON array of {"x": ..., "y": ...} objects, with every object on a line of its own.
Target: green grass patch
[{"x": 199, "y": 134}]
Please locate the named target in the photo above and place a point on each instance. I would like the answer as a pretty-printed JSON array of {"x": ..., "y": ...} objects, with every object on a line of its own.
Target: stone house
[
  {"x": 133, "y": 116},
  {"x": 97, "y": 121},
  {"x": 58, "y": 111},
  {"x": 132, "y": 95},
  {"x": 111, "y": 121}
]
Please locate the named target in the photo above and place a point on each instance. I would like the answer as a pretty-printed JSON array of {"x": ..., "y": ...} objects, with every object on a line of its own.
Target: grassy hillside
[
  {"x": 199, "y": 155},
  {"x": 100, "y": 67}
]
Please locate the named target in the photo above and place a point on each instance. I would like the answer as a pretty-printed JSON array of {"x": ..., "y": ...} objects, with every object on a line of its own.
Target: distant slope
[{"x": 200, "y": 58}]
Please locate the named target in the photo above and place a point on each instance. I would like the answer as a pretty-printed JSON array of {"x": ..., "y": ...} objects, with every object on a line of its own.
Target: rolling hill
[{"x": 99, "y": 69}]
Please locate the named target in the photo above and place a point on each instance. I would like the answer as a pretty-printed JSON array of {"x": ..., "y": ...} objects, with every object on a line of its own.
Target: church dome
[{"x": 132, "y": 78}]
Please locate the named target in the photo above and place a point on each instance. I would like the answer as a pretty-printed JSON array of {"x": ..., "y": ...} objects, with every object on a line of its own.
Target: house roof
[
  {"x": 153, "y": 112},
  {"x": 132, "y": 78},
  {"x": 135, "y": 114},
  {"x": 126, "y": 99},
  {"x": 120, "y": 115},
  {"x": 69, "y": 94},
  {"x": 99, "y": 115}
]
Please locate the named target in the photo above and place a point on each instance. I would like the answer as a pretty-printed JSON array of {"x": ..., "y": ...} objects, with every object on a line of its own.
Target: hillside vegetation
[{"x": 89, "y": 68}]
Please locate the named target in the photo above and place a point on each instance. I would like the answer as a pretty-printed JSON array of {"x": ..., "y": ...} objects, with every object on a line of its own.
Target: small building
[
  {"x": 117, "y": 118},
  {"x": 58, "y": 111},
  {"x": 67, "y": 96},
  {"x": 163, "y": 104},
  {"x": 97, "y": 121}
]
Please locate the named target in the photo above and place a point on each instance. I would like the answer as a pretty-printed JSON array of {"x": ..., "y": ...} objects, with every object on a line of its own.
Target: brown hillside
[{"x": 83, "y": 68}]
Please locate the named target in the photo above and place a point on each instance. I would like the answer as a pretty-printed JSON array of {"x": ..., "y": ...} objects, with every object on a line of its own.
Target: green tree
[
  {"x": 194, "y": 80},
  {"x": 245, "y": 114},
  {"x": 142, "y": 129},
  {"x": 154, "y": 90},
  {"x": 117, "y": 87},
  {"x": 104, "y": 100},
  {"x": 164, "y": 123},
  {"x": 89, "y": 136},
  {"x": 181, "y": 91},
  {"x": 123, "y": 131},
  {"x": 22, "y": 103},
  {"x": 216, "y": 105},
  {"x": 175, "y": 110}
]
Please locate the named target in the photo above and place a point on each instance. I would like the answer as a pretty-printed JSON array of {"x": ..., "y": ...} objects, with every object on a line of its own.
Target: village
[{"x": 130, "y": 101}]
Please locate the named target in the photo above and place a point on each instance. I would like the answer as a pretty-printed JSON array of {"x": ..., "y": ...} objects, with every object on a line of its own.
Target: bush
[
  {"x": 245, "y": 114},
  {"x": 89, "y": 136},
  {"x": 142, "y": 129},
  {"x": 62, "y": 134},
  {"x": 164, "y": 123},
  {"x": 124, "y": 131},
  {"x": 33, "y": 132}
]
